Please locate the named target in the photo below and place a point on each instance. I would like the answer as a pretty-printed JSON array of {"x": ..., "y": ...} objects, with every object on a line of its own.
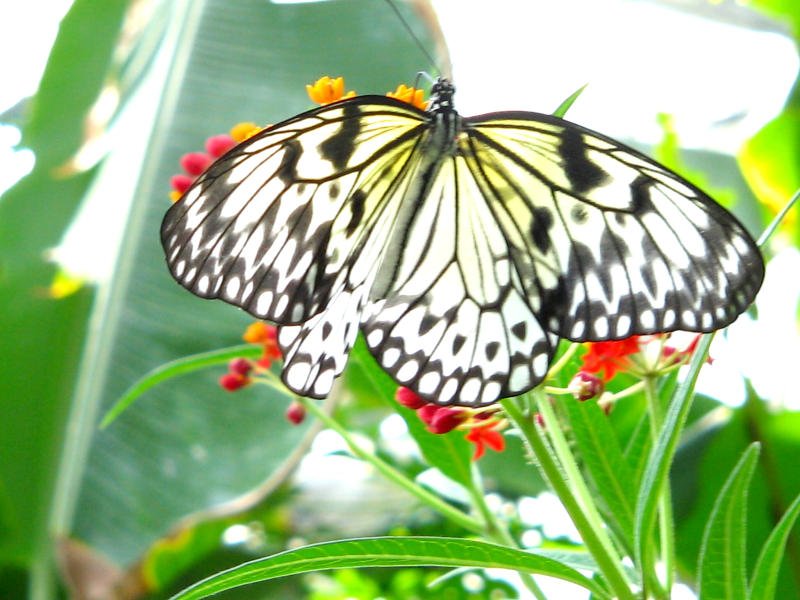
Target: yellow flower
[{"x": 326, "y": 90}]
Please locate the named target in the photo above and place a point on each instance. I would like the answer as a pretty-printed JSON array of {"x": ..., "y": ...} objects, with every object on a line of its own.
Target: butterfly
[{"x": 464, "y": 248}]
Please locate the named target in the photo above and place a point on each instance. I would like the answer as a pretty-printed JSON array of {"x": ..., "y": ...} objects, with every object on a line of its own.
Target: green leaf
[
  {"x": 599, "y": 450},
  {"x": 769, "y": 160},
  {"x": 722, "y": 570},
  {"x": 41, "y": 337},
  {"x": 388, "y": 552},
  {"x": 176, "y": 368},
  {"x": 449, "y": 452},
  {"x": 765, "y": 573},
  {"x": 562, "y": 108}
]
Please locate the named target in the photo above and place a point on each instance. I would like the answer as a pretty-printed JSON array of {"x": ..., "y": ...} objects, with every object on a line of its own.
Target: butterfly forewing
[
  {"x": 462, "y": 248},
  {"x": 617, "y": 244}
]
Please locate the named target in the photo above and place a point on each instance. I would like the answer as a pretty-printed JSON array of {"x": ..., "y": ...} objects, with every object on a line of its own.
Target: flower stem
[
  {"x": 608, "y": 564},
  {"x": 448, "y": 511},
  {"x": 497, "y": 531},
  {"x": 665, "y": 520}
]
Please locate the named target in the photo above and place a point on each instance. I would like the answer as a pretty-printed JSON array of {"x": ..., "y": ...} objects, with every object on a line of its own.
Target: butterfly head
[{"x": 441, "y": 96}]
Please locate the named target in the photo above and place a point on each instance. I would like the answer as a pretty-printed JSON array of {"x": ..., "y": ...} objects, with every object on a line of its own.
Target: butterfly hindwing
[{"x": 455, "y": 325}]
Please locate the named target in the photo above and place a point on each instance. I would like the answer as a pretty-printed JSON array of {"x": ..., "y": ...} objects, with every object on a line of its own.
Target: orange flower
[
  {"x": 486, "y": 435},
  {"x": 409, "y": 95},
  {"x": 242, "y": 131},
  {"x": 609, "y": 357},
  {"x": 266, "y": 335},
  {"x": 326, "y": 90}
]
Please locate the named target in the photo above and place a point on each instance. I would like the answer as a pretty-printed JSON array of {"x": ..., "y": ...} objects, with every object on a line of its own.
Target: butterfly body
[{"x": 463, "y": 248}]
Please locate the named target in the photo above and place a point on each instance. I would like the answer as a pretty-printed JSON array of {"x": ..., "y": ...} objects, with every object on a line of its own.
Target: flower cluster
[
  {"x": 483, "y": 426},
  {"x": 244, "y": 371},
  {"x": 194, "y": 163},
  {"x": 638, "y": 354},
  {"x": 327, "y": 89},
  {"x": 324, "y": 91},
  {"x": 241, "y": 371},
  {"x": 410, "y": 95}
]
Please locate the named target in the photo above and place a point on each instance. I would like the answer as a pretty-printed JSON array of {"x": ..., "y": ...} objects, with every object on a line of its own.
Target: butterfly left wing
[
  {"x": 290, "y": 226},
  {"x": 608, "y": 243}
]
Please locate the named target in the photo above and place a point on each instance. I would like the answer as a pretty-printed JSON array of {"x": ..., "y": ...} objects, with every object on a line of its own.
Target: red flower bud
[
  {"x": 427, "y": 412},
  {"x": 240, "y": 366},
  {"x": 181, "y": 183},
  {"x": 446, "y": 419},
  {"x": 219, "y": 144},
  {"x": 295, "y": 413},
  {"x": 409, "y": 399},
  {"x": 195, "y": 163},
  {"x": 233, "y": 381}
]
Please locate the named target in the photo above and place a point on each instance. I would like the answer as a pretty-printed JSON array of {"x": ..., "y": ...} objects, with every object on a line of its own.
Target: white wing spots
[
  {"x": 374, "y": 338},
  {"x": 429, "y": 383},
  {"x": 203, "y": 284},
  {"x": 391, "y": 356},
  {"x": 408, "y": 371},
  {"x": 601, "y": 327},
  {"x": 623, "y": 326},
  {"x": 577, "y": 331}
]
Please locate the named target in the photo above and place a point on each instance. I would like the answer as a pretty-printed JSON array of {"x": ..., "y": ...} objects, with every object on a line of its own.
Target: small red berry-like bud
[
  {"x": 295, "y": 413},
  {"x": 240, "y": 366},
  {"x": 539, "y": 419},
  {"x": 195, "y": 163},
  {"x": 265, "y": 362},
  {"x": 233, "y": 381},
  {"x": 219, "y": 144},
  {"x": 181, "y": 183},
  {"x": 585, "y": 386},
  {"x": 446, "y": 419},
  {"x": 427, "y": 412},
  {"x": 409, "y": 399}
]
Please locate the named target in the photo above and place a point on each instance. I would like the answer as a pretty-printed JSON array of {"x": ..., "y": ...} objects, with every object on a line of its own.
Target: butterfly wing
[
  {"x": 290, "y": 226},
  {"x": 608, "y": 243},
  {"x": 455, "y": 325}
]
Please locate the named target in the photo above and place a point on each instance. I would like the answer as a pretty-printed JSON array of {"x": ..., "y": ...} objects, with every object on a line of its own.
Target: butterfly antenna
[{"x": 414, "y": 36}]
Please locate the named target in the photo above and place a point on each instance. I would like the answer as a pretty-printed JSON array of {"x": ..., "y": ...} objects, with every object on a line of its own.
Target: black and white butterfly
[{"x": 462, "y": 248}]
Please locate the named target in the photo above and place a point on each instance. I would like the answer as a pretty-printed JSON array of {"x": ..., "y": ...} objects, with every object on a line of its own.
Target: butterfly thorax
[{"x": 442, "y": 96}]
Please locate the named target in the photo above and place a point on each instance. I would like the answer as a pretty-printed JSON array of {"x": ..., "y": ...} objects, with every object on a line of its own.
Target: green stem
[
  {"x": 562, "y": 362},
  {"x": 665, "y": 522},
  {"x": 574, "y": 477},
  {"x": 607, "y": 564},
  {"x": 497, "y": 531},
  {"x": 392, "y": 474}
]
